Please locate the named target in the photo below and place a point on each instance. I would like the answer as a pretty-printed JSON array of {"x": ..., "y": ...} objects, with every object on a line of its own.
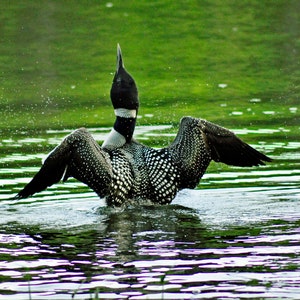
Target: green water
[
  {"x": 58, "y": 60},
  {"x": 235, "y": 63}
]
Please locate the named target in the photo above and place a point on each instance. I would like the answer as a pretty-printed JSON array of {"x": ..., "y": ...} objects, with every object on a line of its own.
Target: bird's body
[
  {"x": 137, "y": 172},
  {"x": 123, "y": 169}
]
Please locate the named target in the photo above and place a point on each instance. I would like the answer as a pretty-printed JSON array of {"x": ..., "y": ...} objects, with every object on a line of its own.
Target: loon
[{"x": 123, "y": 170}]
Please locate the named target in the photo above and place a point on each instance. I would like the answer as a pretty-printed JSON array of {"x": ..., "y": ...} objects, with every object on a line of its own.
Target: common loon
[{"x": 124, "y": 169}]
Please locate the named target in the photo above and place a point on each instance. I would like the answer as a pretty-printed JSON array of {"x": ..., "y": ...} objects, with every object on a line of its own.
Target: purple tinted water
[{"x": 242, "y": 241}]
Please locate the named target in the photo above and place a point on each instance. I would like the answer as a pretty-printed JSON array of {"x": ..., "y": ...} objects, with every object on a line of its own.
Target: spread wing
[
  {"x": 78, "y": 156},
  {"x": 227, "y": 148}
]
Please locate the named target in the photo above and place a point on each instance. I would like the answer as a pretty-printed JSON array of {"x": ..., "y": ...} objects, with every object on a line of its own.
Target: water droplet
[
  {"x": 293, "y": 109},
  {"x": 269, "y": 112},
  {"x": 222, "y": 85},
  {"x": 255, "y": 100}
]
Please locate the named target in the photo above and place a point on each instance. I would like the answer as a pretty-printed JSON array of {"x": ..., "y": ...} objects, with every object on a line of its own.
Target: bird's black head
[{"x": 123, "y": 92}]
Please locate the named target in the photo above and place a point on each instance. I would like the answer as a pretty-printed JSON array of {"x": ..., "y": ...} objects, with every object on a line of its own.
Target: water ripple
[{"x": 237, "y": 236}]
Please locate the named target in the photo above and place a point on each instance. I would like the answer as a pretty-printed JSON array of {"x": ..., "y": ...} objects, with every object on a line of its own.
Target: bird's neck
[{"x": 123, "y": 129}]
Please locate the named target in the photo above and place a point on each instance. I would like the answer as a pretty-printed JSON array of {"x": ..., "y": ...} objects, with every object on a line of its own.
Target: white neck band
[{"x": 125, "y": 113}]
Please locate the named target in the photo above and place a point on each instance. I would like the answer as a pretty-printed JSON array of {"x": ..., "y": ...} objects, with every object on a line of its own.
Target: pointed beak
[{"x": 120, "y": 63}]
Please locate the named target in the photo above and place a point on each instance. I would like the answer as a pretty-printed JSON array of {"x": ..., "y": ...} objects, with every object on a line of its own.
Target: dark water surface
[
  {"x": 242, "y": 241},
  {"x": 235, "y": 63}
]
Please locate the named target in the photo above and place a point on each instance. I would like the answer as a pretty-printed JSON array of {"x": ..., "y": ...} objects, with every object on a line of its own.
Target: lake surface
[
  {"x": 235, "y": 63},
  {"x": 238, "y": 241}
]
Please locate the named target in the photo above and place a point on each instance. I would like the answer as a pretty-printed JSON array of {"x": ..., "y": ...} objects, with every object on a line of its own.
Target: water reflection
[
  {"x": 98, "y": 255},
  {"x": 238, "y": 240},
  {"x": 151, "y": 252}
]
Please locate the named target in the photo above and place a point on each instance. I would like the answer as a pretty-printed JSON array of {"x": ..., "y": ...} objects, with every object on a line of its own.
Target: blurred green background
[{"x": 232, "y": 62}]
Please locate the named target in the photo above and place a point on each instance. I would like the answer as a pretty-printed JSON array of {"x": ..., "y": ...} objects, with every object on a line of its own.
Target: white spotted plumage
[{"x": 123, "y": 169}]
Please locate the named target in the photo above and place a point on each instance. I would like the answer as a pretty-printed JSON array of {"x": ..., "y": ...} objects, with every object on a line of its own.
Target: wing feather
[
  {"x": 78, "y": 156},
  {"x": 227, "y": 148},
  {"x": 51, "y": 171}
]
